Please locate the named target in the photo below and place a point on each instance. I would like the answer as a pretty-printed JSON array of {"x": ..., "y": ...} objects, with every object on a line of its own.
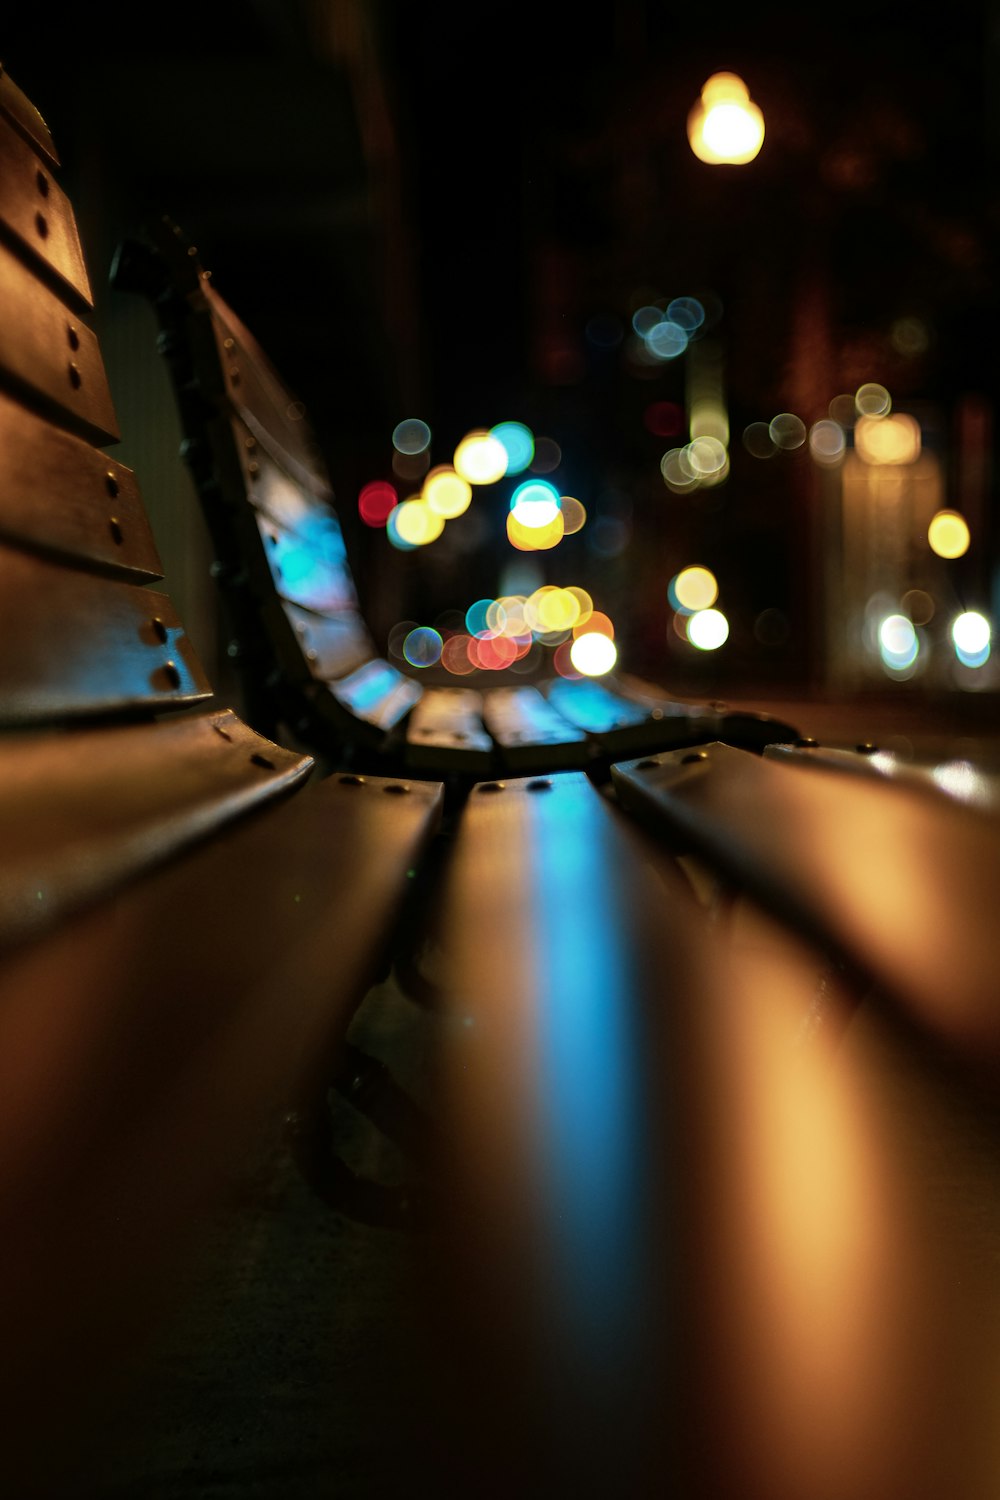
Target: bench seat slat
[
  {"x": 376, "y": 697},
  {"x": 73, "y": 643},
  {"x": 18, "y": 108},
  {"x": 49, "y": 353},
  {"x": 530, "y": 733},
  {"x": 39, "y": 214},
  {"x": 84, "y": 810},
  {"x": 145, "y": 1047},
  {"x": 308, "y": 566},
  {"x": 446, "y": 729},
  {"x": 322, "y": 647},
  {"x": 63, "y": 495},
  {"x": 903, "y": 883}
]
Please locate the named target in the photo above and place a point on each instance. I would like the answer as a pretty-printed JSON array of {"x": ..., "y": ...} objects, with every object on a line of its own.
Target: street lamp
[{"x": 725, "y": 126}]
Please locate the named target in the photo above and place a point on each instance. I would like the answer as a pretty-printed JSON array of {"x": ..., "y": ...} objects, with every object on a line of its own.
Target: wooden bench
[
  {"x": 711, "y": 1192},
  {"x": 307, "y": 656},
  {"x": 179, "y": 953}
]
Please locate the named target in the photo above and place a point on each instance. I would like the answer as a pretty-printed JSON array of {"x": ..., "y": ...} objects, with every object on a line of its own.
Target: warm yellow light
[
  {"x": 447, "y": 493},
  {"x": 534, "y": 538},
  {"x": 696, "y": 588},
  {"x": 481, "y": 458},
  {"x": 558, "y": 609},
  {"x": 593, "y": 654},
  {"x": 887, "y": 440},
  {"x": 417, "y": 524},
  {"x": 948, "y": 534},
  {"x": 725, "y": 126}
]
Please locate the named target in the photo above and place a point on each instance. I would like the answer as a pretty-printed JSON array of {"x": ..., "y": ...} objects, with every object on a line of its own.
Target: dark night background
[{"x": 419, "y": 209}]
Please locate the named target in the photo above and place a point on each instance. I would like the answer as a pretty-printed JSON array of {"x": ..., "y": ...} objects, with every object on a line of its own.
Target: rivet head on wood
[
  {"x": 72, "y": 337},
  {"x": 351, "y": 780},
  {"x": 159, "y": 629},
  {"x": 43, "y": 183},
  {"x": 695, "y": 755},
  {"x": 490, "y": 786},
  {"x": 262, "y": 761},
  {"x": 540, "y": 784},
  {"x": 75, "y": 378},
  {"x": 647, "y": 765},
  {"x": 111, "y": 484},
  {"x": 806, "y": 742},
  {"x": 117, "y": 536},
  {"x": 172, "y": 675},
  {"x": 42, "y": 225},
  {"x": 867, "y": 748},
  {"x": 396, "y": 788}
]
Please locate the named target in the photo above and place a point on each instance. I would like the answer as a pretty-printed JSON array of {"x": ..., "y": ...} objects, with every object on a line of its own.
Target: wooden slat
[
  {"x": 248, "y": 381},
  {"x": 37, "y": 212},
  {"x": 530, "y": 733},
  {"x": 308, "y": 566},
  {"x": 553, "y": 942},
  {"x": 281, "y": 496},
  {"x": 82, "y": 811},
  {"x": 73, "y": 643},
  {"x": 19, "y": 109},
  {"x": 375, "y": 697},
  {"x": 64, "y": 496},
  {"x": 144, "y": 1049},
  {"x": 905, "y": 884},
  {"x": 619, "y": 725},
  {"x": 973, "y": 779},
  {"x": 47, "y": 352},
  {"x": 326, "y": 646},
  {"x": 446, "y": 729}
]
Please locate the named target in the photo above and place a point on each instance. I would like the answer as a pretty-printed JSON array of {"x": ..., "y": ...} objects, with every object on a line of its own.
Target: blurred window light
[
  {"x": 480, "y": 457},
  {"x": 948, "y": 534},
  {"x": 447, "y": 493},
  {"x": 411, "y": 436},
  {"x": 888, "y": 440},
  {"x": 694, "y": 588},
  {"x": 725, "y": 126},
  {"x": 971, "y": 635},
  {"x": 787, "y": 430},
  {"x": 593, "y": 655},
  {"x": 518, "y": 442},
  {"x": 872, "y": 400},
  {"x": 708, "y": 629},
  {"x": 827, "y": 442},
  {"x": 897, "y": 640}
]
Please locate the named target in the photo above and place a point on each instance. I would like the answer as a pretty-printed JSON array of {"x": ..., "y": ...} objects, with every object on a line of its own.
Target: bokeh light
[
  {"x": 708, "y": 629},
  {"x": 827, "y": 442},
  {"x": 480, "y": 457},
  {"x": 872, "y": 400},
  {"x": 592, "y": 654},
  {"x": 596, "y": 623},
  {"x": 787, "y": 430},
  {"x": 411, "y": 436},
  {"x": 687, "y": 312},
  {"x": 898, "y": 643},
  {"x": 948, "y": 534},
  {"x": 414, "y": 523},
  {"x": 971, "y": 636},
  {"x": 455, "y": 655},
  {"x": 694, "y": 588},
  {"x": 518, "y": 442},
  {"x": 548, "y": 456},
  {"x": 888, "y": 440},
  {"x": 757, "y": 440},
  {"x": 446, "y": 493},
  {"x": 667, "y": 340},
  {"x": 535, "y": 503},
  {"x": 422, "y": 647},
  {"x": 376, "y": 502},
  {"x": 725, "y": 126},
  {"x": 574, "y": 514}
]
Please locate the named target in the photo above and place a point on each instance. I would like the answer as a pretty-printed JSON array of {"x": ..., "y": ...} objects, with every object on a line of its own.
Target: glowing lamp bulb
[{"x": 725, "y": 126}]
